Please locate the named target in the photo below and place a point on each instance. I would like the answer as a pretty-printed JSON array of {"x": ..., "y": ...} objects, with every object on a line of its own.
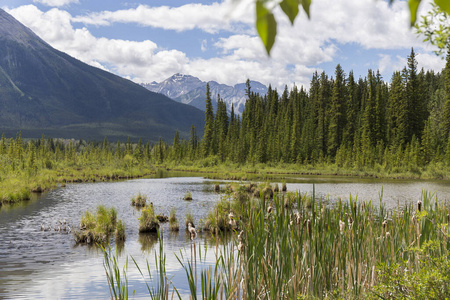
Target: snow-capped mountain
[{"x": 191, "y": 90}]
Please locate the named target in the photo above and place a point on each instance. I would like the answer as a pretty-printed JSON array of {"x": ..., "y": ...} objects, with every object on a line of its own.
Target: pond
[{"x": 49, "y": 265}]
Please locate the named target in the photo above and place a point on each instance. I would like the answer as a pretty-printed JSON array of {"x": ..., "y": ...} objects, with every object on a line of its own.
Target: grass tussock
[
  {"x": 148, "y": 221},
  {"x": 97, "y": 228},
  {"x": 173, "y": 222},
  {"x": 188, "y": 196},
  {"x": 140, "y": 200}
]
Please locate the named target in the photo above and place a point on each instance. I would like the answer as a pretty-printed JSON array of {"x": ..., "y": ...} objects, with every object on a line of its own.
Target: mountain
[
  {"x": 191, "y": 90},
  {"x": 43, "y": 90}
]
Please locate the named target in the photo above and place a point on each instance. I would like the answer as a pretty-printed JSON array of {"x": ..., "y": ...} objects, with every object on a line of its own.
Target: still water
[{"x": 37, "y": 264}]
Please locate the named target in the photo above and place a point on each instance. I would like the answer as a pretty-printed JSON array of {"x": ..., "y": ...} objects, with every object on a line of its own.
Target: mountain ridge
[
  {"x": 44, "y": 88},
  {"x": 191, "y": 90}
]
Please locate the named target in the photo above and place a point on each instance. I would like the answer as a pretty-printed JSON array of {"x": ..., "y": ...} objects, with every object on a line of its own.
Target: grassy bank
[
  {"x": 40, "y": 165},
  {"x": 233, "y": 171}
]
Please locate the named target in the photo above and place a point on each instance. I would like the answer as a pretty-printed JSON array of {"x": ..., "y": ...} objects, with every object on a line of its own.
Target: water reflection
[{"x": 148, "y": 241}]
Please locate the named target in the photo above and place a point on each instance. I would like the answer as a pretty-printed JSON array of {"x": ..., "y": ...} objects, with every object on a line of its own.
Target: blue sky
[{"x": 149, "y": 41}]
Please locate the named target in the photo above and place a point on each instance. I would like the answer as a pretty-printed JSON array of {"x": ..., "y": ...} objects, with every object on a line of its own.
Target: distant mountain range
[
  {"x": 43, "y": 90},
  {"x": 190, "y": 90}
]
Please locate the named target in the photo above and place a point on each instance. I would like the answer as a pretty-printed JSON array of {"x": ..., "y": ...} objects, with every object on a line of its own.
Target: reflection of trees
[
  {"x": 148, "y": 241},
  {"x": 120, "y": 245}
]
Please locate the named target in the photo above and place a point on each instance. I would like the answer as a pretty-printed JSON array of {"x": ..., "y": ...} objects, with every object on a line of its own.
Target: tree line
[
  {"x": 354, "y": 123},
  {"x": 364, "y": 122}
]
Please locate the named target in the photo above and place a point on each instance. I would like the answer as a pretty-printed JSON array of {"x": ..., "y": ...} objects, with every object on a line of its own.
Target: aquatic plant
[
  {"x": 120, "y": 231},
  {"x": 117, "y": 278},
  {"x": 187, "y": 196},
  {"x": 97, "y": 228},
  {"x": 148, "y": 221},
  {"x": 139, "y": 200},
  {"x": 173, "y": 222}
]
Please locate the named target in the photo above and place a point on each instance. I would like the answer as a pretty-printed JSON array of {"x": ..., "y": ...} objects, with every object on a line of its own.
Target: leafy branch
[{"x": 266, "y": 24}]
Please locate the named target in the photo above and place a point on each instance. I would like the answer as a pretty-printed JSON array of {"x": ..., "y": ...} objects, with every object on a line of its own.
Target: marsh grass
[
  {"x": 120, "y": 231},
  {"x": 173, "y": 221},
  {"x": 188, "y": 196},
  {"x": 349, "y": 249},
  {"x": 139, "y": 200},
  {"x": 98, "y": 228},
  {"x": 148, "y": 221}
]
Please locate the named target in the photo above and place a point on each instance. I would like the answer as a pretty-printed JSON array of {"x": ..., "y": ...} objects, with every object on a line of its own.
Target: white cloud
[
  {"x": 204, "y": 46},
  {"x": 364, "y": 23},
  {"x": 209, "y": 18},
  {"x": 430, "y": 62},
  {"x": 387, "y": 64},
  {"x": 57, "y": 3}
]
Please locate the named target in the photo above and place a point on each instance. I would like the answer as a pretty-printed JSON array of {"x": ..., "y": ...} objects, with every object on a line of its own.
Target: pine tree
[
  {"x": 209, "y": 124},
  {"x": 336, "y": 112},
  {"x": 446, "y": 110}
]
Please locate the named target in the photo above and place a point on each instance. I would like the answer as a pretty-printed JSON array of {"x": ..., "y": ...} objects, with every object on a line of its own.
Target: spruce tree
[{"x": 209, "y": 124}]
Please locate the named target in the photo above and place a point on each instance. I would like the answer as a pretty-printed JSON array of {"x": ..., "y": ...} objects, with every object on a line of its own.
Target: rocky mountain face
[
  {"x": 191, "y": 90},
  {"x": 45, "y": 91}
]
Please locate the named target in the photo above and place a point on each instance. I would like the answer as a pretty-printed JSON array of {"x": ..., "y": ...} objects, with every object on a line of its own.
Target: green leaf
[
  {"x": 444, "y": 5},
  {"x": 413, "y": 6},
  {"x": 306, "y": 4},
  {"x": 290, "y": 8},
  {"x": 266, "y": 25}
]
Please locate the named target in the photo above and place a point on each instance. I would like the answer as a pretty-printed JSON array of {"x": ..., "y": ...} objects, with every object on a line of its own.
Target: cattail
[
  {"x": 276, "y": 189},
  {"x": 298, "y": 218},
  {"x": 350, "y": 222},
  {"x": 419, "y": 205},
  {"x": 384, "y": 224},
  {"x": 308, "y": 227},
  {"x": 241, "y": 236},
  {"x": 192, "y": 231},
  {"x": 341, "y": 226},
  {"x": 413, "y": 218},
  {"x": 240, "y": 246}
]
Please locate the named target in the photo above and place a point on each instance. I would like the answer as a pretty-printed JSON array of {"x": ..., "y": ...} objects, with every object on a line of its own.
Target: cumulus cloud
[
  {"x": 56, "y": 3},
  {"x": 230, "y": 31},
  {"x": 209, "y": 18}
]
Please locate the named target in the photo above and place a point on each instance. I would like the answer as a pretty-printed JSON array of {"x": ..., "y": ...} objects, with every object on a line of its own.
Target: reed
[
  {"x": 117, "y": 279},
  {"x": 349, "y": 249}
]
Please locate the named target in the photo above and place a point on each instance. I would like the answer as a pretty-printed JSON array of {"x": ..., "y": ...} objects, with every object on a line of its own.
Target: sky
[{"x": 151, "y": 40}]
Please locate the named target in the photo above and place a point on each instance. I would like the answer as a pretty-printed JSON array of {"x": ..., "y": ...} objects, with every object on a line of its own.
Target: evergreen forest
[{"x": 342, "y": 125}]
